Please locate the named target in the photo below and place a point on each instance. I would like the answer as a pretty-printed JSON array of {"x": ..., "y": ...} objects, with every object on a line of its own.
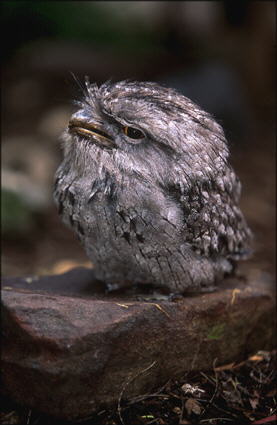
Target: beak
[{"x": 92, "y": 132}]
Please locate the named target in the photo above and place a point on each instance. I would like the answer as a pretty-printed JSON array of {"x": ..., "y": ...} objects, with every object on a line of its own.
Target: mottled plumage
[{"x": 146, "y": 184}]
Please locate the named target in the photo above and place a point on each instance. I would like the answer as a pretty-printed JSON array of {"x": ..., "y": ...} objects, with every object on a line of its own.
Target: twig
[
  {"x": 29, "y": 416},
  {"x": 216, "y": 419},
  {"x": 215, "y": 391},
  {"x": 128, "y": 381},
  {"x": 182, "y": 410},
  {"x": 266, "y": 420},
  {"x": 145, "y": 396}
]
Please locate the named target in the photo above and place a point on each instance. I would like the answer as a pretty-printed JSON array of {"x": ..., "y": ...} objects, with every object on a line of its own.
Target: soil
[{"x": 243, "y": 393}]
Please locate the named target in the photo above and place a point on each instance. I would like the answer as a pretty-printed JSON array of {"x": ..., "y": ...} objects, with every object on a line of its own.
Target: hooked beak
[{"x": 92, "y": 132}]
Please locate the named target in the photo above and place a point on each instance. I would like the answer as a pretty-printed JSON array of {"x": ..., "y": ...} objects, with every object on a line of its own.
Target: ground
[{"x": 243, "y": 393}]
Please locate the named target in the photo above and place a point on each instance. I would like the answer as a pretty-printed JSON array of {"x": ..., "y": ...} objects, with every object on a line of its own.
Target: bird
[{"x": 146, "y": 184}]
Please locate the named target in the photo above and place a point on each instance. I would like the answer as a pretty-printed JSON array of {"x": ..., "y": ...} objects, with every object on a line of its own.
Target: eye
[{"x": 133, "y": 133}]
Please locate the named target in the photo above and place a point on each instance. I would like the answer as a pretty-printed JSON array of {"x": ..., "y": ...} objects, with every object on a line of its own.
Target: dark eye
[{"x": 133, "y": 133}]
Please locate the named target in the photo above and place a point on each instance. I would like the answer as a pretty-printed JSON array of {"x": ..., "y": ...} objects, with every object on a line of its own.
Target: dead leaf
[
  {"x": 192, "y": 406},
  {"x": 272, "y": 393},
  {"x": 254, "y": 403}
]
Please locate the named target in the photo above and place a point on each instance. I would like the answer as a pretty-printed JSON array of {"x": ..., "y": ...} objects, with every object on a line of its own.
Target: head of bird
[{"x": 143, "y": 130}]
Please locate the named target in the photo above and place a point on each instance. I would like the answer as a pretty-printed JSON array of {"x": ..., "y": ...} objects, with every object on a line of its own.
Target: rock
[{"x": 69, "y": 349}]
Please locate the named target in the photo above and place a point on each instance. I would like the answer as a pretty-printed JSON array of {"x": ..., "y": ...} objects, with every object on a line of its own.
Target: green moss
[{"x": 217, "y": 331}]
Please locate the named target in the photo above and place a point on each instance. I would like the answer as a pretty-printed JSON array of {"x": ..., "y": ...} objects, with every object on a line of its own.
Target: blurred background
[{"x": 220, "y": 54}]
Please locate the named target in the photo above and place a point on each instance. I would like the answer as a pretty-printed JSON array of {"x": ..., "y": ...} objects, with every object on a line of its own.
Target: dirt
[{"x": 243, "y": 393}]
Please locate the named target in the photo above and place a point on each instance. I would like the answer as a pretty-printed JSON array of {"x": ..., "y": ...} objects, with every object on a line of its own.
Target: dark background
[{"x": 220, "y": 54}]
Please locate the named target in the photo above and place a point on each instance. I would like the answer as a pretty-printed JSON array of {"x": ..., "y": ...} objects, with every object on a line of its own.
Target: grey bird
[{"x": 146, "y": 184}]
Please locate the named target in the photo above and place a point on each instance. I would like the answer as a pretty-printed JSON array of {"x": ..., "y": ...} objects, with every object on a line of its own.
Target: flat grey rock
[{"x": 69, "y": 349}]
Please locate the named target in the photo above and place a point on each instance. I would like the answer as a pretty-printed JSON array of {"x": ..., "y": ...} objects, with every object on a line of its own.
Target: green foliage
[
  {"x": 16, "y": 216},
  {"x": 77, "y": 21}
]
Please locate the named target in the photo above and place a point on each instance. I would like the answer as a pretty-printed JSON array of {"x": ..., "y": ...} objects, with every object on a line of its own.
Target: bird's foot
[
  {"x": 110, "y": 287},
  {"x": 116, "y": 286}
]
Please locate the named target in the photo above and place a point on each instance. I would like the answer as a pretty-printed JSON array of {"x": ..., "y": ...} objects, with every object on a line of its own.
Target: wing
[{"x": 213, "y": 222}]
